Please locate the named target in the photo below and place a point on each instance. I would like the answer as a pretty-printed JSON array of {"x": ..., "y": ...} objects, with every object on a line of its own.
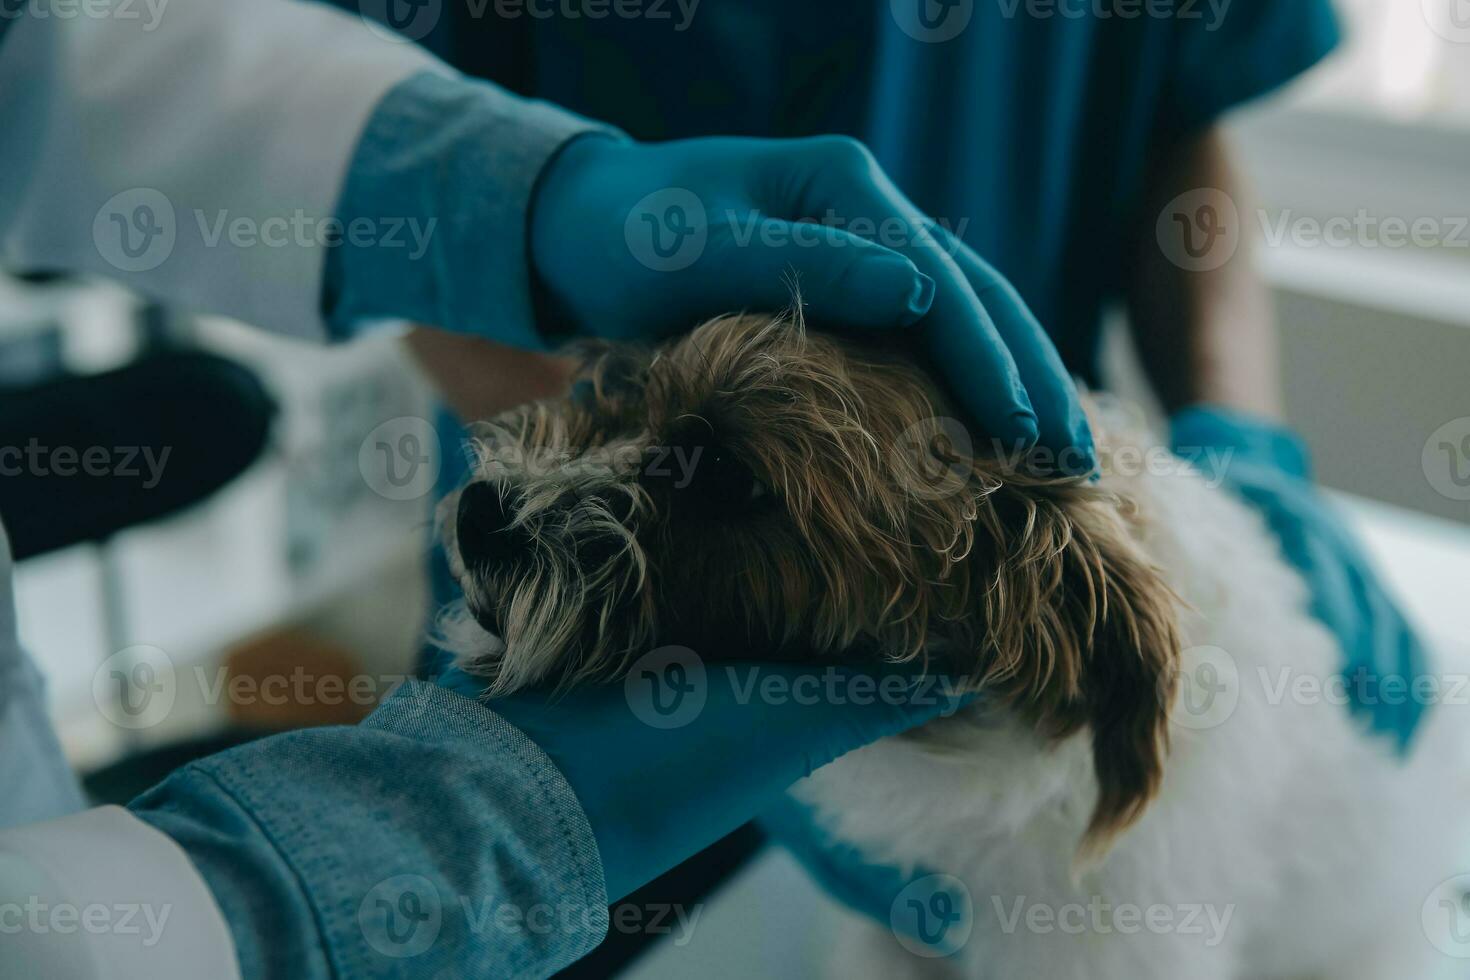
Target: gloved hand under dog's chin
[
  {"x": 1268, "y": 466},
  {"x": 656, "y": 790}
]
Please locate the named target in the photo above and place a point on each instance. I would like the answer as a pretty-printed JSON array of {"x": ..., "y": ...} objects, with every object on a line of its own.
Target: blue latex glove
[
  {"x": 634, "y": 240},
  {"x": 1268, "y": 466},
  {"x": 662, "y": 774}
]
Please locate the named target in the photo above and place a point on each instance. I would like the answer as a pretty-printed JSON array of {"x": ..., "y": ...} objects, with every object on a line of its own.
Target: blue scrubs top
[{"x": 1028, "y": 134}]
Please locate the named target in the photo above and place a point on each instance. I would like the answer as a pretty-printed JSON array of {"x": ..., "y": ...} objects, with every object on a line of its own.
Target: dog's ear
[
  {"x": 1081, "y": 631},
  {"x": 610, "y": 381}
]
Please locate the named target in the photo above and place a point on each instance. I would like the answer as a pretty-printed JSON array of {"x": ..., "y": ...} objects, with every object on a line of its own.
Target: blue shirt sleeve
[
  {"x": 452, "y": 163},
  {"x": 434, "y": 839},
  {"x": 1227, "y": 52}
]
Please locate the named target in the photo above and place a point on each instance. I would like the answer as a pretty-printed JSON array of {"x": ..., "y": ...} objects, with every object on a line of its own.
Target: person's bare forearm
[
  {"x": 1203, "y": 334},
  {"x": 480, "y": 379}
]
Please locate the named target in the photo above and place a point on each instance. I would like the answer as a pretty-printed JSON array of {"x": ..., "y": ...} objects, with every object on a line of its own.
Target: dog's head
[{"x": 752, "y": 490}]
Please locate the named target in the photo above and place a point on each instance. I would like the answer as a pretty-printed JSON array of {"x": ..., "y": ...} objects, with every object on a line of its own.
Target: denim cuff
[
  {"x": 433, "y": 213},
  {"x": 433, "y": 839},
  {"x": 1250, "y": 438}
]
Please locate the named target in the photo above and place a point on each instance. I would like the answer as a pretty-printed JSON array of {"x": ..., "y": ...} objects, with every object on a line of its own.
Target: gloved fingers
[
  {"x": 755, "y": 262},
  {"x": 836, "y": 180},
  {"x": 1063, "y": 426},
  {"x": 963, "y": 343},
  {"x": 881, "y": 700}
]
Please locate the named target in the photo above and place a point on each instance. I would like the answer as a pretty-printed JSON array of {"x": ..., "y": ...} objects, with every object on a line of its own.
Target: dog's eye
[
  {"x": 698, "y": 471},
  {"x": 718, "y": 480}
]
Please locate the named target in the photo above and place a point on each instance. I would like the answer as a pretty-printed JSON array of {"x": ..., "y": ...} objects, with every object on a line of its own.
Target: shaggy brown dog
[{"x": 752, "y": 490}]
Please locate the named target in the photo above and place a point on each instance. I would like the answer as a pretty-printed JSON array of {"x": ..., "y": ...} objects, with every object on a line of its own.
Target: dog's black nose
[{"x": 484, "y": 526}]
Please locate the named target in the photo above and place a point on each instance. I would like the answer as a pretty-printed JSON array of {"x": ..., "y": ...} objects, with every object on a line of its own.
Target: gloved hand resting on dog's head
[{"x": 639, "y": 241}]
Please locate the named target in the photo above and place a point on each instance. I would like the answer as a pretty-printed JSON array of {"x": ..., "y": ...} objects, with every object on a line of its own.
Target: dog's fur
[{"x": 755, "y": 490}]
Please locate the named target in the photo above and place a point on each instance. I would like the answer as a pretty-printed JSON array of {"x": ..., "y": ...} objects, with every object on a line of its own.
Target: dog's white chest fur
[{"x": 1283, "y": 843}]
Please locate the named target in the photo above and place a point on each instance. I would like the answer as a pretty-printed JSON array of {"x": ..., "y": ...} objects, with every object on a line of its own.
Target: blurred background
[{"x": 310, "y": 552}]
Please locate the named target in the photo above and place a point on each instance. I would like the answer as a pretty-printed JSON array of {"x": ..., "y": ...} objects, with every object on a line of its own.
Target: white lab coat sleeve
[
  {"x": 101, "y": 895},
  {"x": 193, "y": 149}
]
